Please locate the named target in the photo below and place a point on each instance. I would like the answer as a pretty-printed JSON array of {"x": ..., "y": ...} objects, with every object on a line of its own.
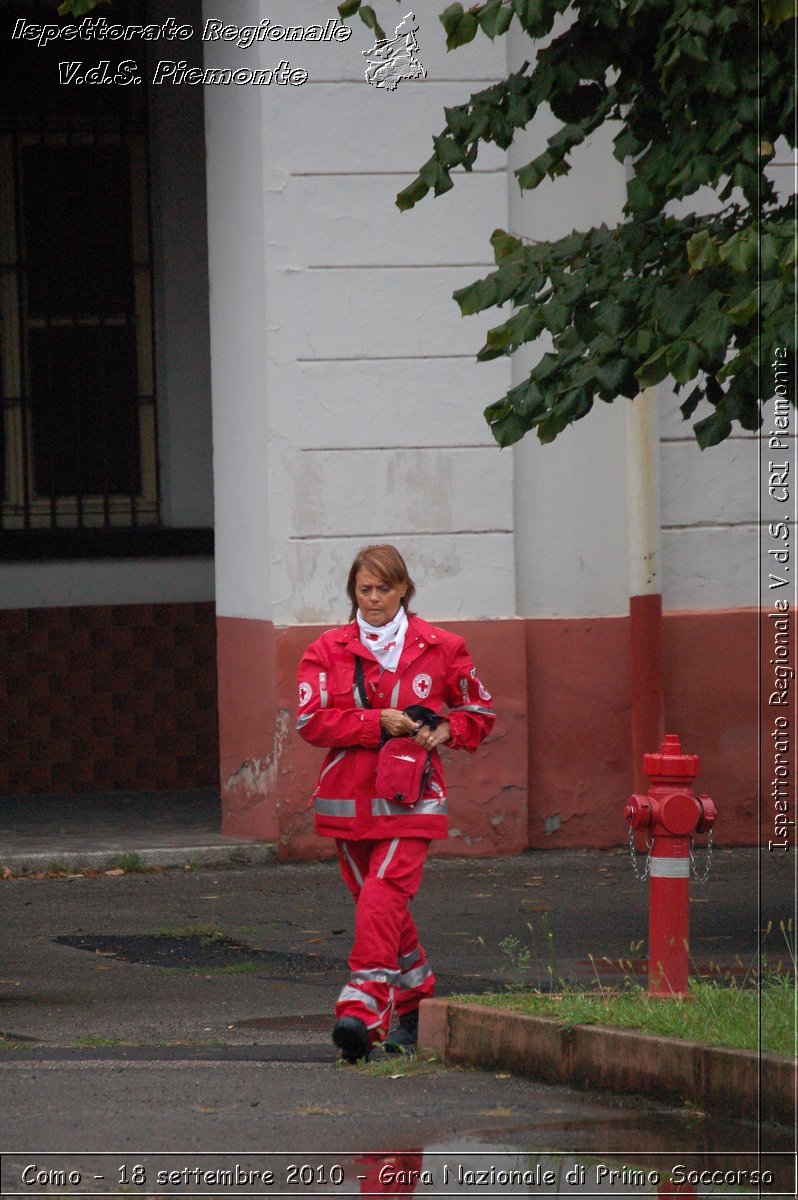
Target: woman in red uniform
[{"x": 354, "y": 684}]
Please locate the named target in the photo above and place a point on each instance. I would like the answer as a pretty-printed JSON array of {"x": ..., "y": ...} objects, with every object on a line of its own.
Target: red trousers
[{"x": 387, "y": 964}]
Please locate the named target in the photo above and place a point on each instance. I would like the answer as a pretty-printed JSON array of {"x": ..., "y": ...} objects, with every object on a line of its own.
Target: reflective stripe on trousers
[
  {"x": 386, "y": 963},
  {"x": 357, "y": 1002}
]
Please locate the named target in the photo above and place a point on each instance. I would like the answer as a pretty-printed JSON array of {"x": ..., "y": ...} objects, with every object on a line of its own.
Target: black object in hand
[{"x": 420, "y": 712}]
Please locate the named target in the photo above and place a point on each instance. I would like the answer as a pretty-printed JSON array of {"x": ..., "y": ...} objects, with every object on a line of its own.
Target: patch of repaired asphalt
[{"x": 196, "y": 952}]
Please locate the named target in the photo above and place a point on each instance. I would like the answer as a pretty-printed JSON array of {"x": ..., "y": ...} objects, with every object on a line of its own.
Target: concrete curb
[
  {"x": 740, "y": 1083},
  {"x": 217, "y": 855}
]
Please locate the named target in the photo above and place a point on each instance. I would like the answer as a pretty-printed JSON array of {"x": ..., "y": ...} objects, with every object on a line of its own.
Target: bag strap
[{"x": 360, "y": 682}]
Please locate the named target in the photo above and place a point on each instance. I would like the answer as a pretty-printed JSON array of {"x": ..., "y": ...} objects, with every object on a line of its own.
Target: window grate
[{"x": 79, "y": 415}]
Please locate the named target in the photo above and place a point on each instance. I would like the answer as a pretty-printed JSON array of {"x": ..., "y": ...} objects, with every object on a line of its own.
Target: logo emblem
[
  {"x": 305, "y": 692},
  {"x": 391, "y": 61},
  {"x": 422, "y": 686},
  {"x": 484, "y": 694}
]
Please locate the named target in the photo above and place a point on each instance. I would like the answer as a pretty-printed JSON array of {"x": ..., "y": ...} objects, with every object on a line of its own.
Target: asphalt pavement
[{"x": 187, "y": 1007}]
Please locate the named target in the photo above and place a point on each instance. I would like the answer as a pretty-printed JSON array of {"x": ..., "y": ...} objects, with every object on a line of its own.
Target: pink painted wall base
[{"x": 558, "y": 770}]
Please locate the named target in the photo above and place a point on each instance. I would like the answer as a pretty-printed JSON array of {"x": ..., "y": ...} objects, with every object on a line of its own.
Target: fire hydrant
[{"x": 671, "y": 813}]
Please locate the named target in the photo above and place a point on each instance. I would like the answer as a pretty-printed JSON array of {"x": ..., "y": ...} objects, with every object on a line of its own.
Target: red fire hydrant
[{"x": 671, "y": 813}]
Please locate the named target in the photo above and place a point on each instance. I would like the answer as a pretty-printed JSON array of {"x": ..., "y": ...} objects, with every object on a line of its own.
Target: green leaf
[
  {"x": 506, "y": 248},
  {"x": 507, "y": 428},
  {"x": 772, "y": 296},
  {"x": 527, "y": 399},
  {"x": 711, "y": 334},
  {"x": 556, "y": 316},
  {"x": 721, "y": 79},
  {"x": 348, "y": 8},
  {"x": 654, "y": 369},
  {"x": 743, "y": 312},
  {"x": 611, "y": 318},
  {"x": 702, "y": 251},
  {"x": 666, "y": 291},
  {"x": 777, "y": 11},
  {"x": 461, "y": 27},
  {"x": 769, "y": 253},
  {"x": 691, "y": 403},
  {"x": 546, "y": 367},
  {"x": 79, "y": 8},
  {"x": 496, "y": 343},
  {"x": 533, "y": 15},
  {"x": 626, "y": 144},
  {"x": 448, "y": 152},
  {"x": 459, "y": 122},
  {"x": 578, "y": 104},
  {"x": 639, "y": 194},
  {"x": 740, "y": 251},
  {"x": 369, "y": 18},
  {"x": 411, "y": 195},
  {"x": 684, "y": 360},
  {"x": 476, "y": 296},
  {"x": 494, "y": 20},
  {"x": 531, "y": 175},
  {"x": 712, "y": 430},
  {"x": 613, "y": 375}
]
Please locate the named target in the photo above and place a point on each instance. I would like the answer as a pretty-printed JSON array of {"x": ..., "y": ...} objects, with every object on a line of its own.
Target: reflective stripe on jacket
[{"x": 436, "y": 670}]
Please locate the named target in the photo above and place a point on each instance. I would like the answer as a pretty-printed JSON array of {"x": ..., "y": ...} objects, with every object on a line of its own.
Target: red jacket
[{"x": 435, "y": 669}]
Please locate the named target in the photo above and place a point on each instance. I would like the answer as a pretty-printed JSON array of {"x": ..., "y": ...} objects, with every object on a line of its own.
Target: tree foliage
[{"x": 699, "y": 92}]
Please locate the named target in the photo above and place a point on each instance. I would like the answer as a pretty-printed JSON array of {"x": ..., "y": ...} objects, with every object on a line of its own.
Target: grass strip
[{"x": 760, "y": 1018}]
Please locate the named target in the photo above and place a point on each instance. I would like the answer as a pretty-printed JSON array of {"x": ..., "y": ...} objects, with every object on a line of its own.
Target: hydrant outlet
[
  {"x": 679, "y": 813},
  {"x": 639, "y": 812},
  {"x": 708, "y": 814}
]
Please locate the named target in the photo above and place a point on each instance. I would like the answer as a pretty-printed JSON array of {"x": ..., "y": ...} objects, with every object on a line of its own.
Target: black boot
[
  {"x": 352, "y": 1038},
  {"x": 404, "y": 1039}
]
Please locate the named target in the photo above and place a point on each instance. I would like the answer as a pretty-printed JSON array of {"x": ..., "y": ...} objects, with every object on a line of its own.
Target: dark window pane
[
  {"x": 84, "y": 409},
  {"x": 77, "y": 230}
]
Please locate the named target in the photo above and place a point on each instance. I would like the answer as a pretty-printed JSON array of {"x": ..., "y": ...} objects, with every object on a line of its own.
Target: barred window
[{"x": 78, "y": 434}]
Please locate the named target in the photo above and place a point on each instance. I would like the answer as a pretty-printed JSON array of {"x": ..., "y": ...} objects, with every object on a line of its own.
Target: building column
[{"x": 236, "y": 257}]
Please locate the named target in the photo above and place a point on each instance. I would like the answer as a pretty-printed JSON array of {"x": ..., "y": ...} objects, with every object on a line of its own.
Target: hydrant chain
[
  {"x": 641, "y": 875},
  {"x": 707, "y": 861}
]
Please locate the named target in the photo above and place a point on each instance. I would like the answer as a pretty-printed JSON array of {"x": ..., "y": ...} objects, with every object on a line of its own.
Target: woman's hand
[
  {"x": 432, "y": 738},
  {"x": 397, "y": 723}
]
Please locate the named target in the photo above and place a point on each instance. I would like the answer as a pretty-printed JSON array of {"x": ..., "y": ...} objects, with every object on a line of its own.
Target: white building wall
[
  {"x": 710, "y": 499},
  {"x": 364, "y": 419},
  {"x": 570, "y": 496}
]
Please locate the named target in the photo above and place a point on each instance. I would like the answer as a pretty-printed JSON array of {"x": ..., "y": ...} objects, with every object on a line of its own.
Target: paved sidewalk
[
  {"x": 90, "y": 996},
  {"x": 94, "y": 829},
  {"x": 561, "y": 907},
  {"x": 532, "y": 919}
]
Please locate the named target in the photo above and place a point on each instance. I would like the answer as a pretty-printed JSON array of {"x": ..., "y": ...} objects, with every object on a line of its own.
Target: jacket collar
[{"x": 420, "y": 634}]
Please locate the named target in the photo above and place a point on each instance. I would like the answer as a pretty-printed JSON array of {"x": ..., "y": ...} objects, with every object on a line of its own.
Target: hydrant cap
[{"x": 670, "y": 762}]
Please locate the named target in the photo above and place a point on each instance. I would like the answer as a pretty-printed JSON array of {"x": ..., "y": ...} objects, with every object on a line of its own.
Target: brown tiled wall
[{"x": 105, "y": 698}]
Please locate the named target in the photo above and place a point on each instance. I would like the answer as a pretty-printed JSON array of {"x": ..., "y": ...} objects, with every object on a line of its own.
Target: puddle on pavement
[{"x": 494, "y": 1169}]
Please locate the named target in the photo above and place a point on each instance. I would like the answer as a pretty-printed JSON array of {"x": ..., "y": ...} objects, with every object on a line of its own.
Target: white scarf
[{"x": 385, "y": 641}]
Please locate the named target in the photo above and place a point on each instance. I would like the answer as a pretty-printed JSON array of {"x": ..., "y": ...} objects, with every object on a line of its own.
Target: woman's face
[{"x": 377, "y": 600}]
